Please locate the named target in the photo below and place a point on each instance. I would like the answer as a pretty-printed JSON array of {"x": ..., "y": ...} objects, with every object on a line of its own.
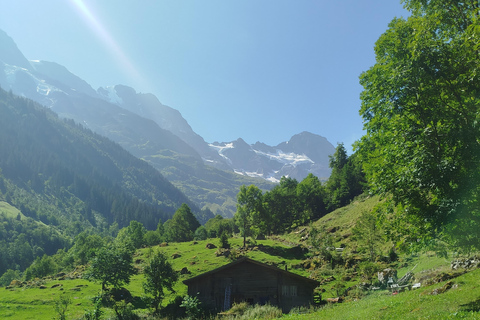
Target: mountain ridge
[{"x": 159, "y": 134}]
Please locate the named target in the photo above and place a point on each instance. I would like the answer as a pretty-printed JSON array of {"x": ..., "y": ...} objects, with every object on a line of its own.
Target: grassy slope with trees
[
  {"x": 58, "y": 179},
  {"x": 420, "y": 153},
  {"x": 30, "y": 301}
]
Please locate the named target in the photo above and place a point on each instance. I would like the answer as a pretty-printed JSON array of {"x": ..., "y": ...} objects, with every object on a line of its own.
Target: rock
[
  {"x": 334, "y": 300},
  {"x": 222, "y": 252},
  {"x": 447, "y": 286},
  {"x": 56, "y": 285},
  {"x": 210, "y": 246},
  {"x": 332, "y": 229},
  {"x": 301, "y": 230},
  {"x": 176, "y": 255},
  {"x": 185, "y": 271},
  {"x": 385, "y": 276},
  {"x": 467, "y": 263},
  {"x": 42, "y": 287},
  {"x": 16, "y": 283}
]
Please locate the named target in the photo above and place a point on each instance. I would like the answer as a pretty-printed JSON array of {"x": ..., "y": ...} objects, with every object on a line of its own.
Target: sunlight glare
[{"x": 100, "y": 31}]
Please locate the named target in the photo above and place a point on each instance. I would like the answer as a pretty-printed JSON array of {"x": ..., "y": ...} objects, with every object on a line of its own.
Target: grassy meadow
[{"x": 461, "y": 299}]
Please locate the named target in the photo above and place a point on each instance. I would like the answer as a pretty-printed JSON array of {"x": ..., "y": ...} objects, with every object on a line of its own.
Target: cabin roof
[{"x": 260, "y": 264}]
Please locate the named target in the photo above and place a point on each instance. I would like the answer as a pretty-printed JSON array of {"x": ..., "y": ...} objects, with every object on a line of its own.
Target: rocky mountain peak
[{"x": 9, "y": 52}]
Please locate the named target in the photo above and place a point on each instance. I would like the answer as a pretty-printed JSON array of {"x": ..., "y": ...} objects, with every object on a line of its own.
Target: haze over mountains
[{"x": 208, "y": 173}]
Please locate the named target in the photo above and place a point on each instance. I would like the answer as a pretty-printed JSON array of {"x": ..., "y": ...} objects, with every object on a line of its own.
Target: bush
[
  {"x": 265, "y": 312},
  {"x": 200, "y": 233},
  {"x": 224, "y": 240},
  {"x": 192, "y": 307},
  {"x": 8, "y": 276},
  {"x": 368, "y": 269},
  {"x": 244, "y": 311},
  {"x": 41, "y": 267},
  {"x": 239, "y": 308},
  {"x": 124, "y": 311}
]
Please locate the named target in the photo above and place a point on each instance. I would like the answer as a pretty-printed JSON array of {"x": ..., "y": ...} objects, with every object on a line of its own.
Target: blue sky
[{"x": 261, "y": 70}]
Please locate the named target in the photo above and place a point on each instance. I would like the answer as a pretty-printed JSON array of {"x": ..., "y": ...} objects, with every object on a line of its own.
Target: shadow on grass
[
  {"x": 297, "y": 252},
  {"x": 471, "y": 306},
  {"x": 140, "y": 303}
]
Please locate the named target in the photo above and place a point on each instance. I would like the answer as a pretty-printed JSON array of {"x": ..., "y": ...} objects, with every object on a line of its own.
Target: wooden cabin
[{"x": 251, "y": 281}]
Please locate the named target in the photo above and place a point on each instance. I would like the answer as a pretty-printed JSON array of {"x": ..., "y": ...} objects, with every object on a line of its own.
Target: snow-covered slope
[{"x": 304, "y": 153}]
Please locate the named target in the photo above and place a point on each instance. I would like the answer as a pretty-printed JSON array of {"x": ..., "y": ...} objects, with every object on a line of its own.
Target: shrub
[
  {"x": 8, "y": 276},
  {"x": 192, "y": 307},
  {"x": 265, "y": 312},
  {"x": 224, "y": 240},
  {"x": 41, "y": 267}
]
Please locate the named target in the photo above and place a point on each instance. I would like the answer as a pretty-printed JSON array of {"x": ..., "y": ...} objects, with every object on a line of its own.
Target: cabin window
[
  {"x": 289, "y": 291},
  {"x": 293, "y": 291}
]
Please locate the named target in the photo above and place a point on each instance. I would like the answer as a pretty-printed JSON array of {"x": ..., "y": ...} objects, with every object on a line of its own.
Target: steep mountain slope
[
  {"x": 59, "y": 160},
  {"x": 305, "y": 153},
  {"x": 107, "y": 114},
  {"x": 148, "y": 106},
  {"x": 159, "y": 134},
  {"x": 10, "y": 54}
]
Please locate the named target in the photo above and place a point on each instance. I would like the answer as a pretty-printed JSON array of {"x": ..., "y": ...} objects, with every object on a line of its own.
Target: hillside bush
[
  {"x": 265, "y": 312},
  {"x": 8, "y": 276},
  {"x": 41, "y": 267}
]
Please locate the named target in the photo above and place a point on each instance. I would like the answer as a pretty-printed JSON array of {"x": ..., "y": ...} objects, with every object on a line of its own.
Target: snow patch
[
  {"x": 113, "y": 96},
  {"x": 221, "y": 148},
  {"x": 42, "y": 88},
  {"x": 286, "y": 158}
]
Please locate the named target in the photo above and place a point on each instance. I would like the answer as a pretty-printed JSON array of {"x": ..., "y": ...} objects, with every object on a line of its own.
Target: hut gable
[{"x": 252, "y": 281}]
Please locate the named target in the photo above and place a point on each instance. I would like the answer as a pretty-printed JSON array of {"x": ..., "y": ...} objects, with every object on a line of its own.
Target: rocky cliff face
[{"x": 304, "y": 153}]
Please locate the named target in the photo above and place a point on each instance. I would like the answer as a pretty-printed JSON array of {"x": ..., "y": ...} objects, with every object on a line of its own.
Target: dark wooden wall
[{"x": 252, "y": 283}]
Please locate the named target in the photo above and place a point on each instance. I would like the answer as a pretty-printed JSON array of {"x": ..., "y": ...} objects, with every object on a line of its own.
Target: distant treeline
[{"x": 293, "y": 203}]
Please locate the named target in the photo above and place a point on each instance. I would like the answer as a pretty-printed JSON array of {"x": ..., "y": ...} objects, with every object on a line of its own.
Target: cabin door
[{"x": 227, "y": 303}]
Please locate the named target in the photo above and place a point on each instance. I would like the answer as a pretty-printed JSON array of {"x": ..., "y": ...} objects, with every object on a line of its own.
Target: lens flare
[{"x": 99, "y": 30}]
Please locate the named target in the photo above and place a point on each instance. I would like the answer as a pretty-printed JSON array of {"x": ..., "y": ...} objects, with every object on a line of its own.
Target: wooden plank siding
[{"x": 251, "y": 281}]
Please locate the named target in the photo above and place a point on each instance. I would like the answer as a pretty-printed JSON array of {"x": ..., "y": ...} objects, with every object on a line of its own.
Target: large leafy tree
[
  {"x": 134, "y": 233},
  {"x": 182, "y": 225},
  {"x": 159, "y": 275},
  {"x": 250, "y": 210},
  {"x": 311, "y": 197},
  {"x": 112, "y": 265},
  {"x": 420, "y": 107}
]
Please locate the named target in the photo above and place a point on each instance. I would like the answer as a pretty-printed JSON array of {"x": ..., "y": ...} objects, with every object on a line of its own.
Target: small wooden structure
[{"x": 251, "y": 281}]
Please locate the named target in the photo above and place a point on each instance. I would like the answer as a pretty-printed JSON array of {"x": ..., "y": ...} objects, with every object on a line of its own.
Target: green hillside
[
  {"x": 36, "y": 299},
  {"x": 58, "y": 179}
]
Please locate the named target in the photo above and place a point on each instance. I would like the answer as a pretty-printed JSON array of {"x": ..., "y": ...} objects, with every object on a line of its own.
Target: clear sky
[{"x": 261, "y": 70}]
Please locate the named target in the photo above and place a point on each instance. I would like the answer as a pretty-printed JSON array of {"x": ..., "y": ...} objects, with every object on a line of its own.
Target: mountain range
[{"x": 209, "y": 174}]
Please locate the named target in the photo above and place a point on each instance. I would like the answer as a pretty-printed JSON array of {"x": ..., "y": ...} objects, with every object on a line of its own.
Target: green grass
[
  {"x": 10, "y": 211},
  {"x": 460, "y": 302},
  {"x": 36, "y": 303}
]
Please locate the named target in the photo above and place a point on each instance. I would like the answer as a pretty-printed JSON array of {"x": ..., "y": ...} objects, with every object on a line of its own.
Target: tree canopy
[
  {"x": 159, "y": 275},
  {"x": 182, "y": 225},
  {"x": 113, "y": 264},
  {"x": 420, "y": 107}
]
